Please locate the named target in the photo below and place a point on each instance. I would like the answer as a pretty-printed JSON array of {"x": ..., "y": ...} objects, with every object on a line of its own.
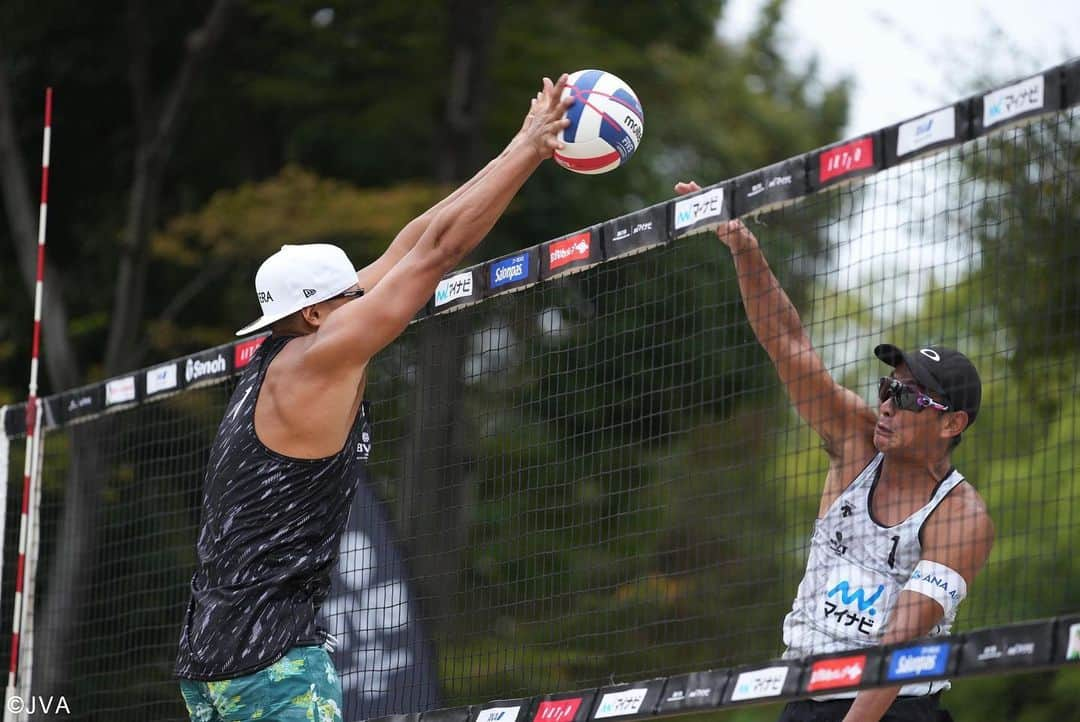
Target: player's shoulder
[{"x": 962, "y": 510}]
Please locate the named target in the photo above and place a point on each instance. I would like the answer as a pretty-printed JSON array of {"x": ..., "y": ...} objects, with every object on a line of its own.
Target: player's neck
[{"x": 914, "y": 473}]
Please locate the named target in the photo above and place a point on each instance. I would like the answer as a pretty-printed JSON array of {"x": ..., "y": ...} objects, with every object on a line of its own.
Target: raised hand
[
  {"x": 734, "y": 234},
  {"x": 546, "y": 117}
]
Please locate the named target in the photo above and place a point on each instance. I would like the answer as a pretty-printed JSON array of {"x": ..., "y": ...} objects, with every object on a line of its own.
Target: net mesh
[{"x": 600, "y": 477}]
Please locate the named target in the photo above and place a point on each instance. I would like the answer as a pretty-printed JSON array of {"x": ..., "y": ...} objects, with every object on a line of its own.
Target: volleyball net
[{"x": 588, "y": 492}]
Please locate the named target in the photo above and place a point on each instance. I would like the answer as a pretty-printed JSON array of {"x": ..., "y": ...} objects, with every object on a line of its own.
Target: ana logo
[
  {"x": 161, "y": 378},
  {"x": 498, "y": 714},
  {"x": 768, "y": 682},
  {"x": 568, "y": 250},
  {"x": 939, "y": 582},
  {"x": 265, "y": 297},
  {"x": 453, "y": 288},
  {"x": 309, "y": 292},
  {"x": 925, "y": 661},
  {"x": 926, "y": 130},
  {"x": 196, "y": 368},
  {"x": 509, "y": 270},
  {"x": 698, "y": 209},
  {"x": 930, "y": 354},
  {"x": 840, "y": 672},
  {"x": 620, "y": 704},
  {"x": 562, "y": 710}
]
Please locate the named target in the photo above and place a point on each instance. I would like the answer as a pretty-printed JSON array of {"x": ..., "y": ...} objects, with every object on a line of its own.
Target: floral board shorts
[{"x": 302, "y": 686}]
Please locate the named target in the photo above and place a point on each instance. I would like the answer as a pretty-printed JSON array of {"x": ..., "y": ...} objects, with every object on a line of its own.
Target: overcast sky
[{"x": 908, "y": 57}]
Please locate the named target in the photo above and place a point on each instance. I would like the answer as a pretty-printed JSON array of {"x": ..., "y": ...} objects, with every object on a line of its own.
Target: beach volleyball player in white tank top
[{"x": 900, "y": 534}]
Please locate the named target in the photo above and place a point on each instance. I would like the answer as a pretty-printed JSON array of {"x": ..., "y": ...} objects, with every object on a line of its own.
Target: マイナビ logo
[
  {"x": 1016, "y": 99},
  {"x": 758, "y": 683},
  {"x": 620, "y": 704},
  {"x": 696, "y": 209},
  {"x": 453, "y": 288}
]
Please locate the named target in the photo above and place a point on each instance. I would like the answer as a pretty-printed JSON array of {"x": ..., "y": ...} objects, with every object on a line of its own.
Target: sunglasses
[
  {"x": 906, "y": 398},
  {"x": 355, "y": 293}
]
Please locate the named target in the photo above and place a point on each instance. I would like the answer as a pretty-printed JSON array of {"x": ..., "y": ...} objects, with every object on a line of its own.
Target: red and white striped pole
[{"x": 32, "y": 408}]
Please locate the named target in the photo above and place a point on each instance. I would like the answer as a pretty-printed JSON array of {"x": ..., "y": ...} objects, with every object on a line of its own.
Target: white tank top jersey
[{"x": 854, "y": 575}]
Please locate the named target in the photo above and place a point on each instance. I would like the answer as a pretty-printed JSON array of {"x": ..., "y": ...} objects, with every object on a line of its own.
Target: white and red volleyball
[{"x": 606, "y": 123}]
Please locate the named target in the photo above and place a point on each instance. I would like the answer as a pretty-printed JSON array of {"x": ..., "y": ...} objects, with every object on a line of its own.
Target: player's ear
[
  {"x": 954, "y": 423},
  {"x": 312, "y": 315}
]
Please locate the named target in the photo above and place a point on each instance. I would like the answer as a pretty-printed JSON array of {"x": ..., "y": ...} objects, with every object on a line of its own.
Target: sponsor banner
[
  {"x": 1031, "y": 96},
  {"x": 636, "y": 232},
  {"x": 243, "y": 351},
  {"x": 502, "y": 711},
  {"x": 513, "y": 272},
  {"x": 1072, "y": 85},
  {"x": 567, "y": 707},
  {"x": 769, "y": 187},
  {"x": 836, "y": 673},
  {"x": 780, "y": 679},
  {"x": 842, "y": 162},
  {"x": 571, "y": 253},
  {"x": 703, "y": 211},
  {"x": 1016, "y": 645},
  {"x": 928, "y": 132},
  {"x": 206, "y": 366},
  {"x": 119, "y": 391},
  {"x": 403, "y": 717},
  {"x": 919, "y": 662},
  {"x": 79, "y": 403},
  {"x": 1068, "y": 640},
  {"x": 15, "y": 420},
  {"x": 383, "y": 645},
  {"x": 628, "y": 700},
  {"x": 160, "y": 379},
  {"x": 458, "y": 289},
  {"x": 696, "y": 690},
  {"x": 455, "y": 714}
]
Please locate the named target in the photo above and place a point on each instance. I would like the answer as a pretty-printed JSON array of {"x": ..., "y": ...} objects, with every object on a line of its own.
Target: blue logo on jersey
[
  {"x": 858, "y": 596},
  {"x": 926, "y": 661},
  {"x": 509, "y": 270}
]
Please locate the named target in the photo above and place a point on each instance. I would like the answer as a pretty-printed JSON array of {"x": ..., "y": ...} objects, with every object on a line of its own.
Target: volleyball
[{"x": 606, "y": 123}]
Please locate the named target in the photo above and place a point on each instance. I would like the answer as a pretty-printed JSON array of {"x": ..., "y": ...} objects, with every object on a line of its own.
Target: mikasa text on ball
[{"x": 606, "y": 123}]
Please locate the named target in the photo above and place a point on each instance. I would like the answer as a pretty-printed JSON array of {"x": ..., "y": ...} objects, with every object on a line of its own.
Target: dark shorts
[{"x": 904, "y": 709}]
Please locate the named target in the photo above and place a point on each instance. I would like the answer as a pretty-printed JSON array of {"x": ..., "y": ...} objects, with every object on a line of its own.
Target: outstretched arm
[
  {"x": 838, "y": 415},
  {"x": 370, "y": 275},
  {"x": 355, "y": 332}
]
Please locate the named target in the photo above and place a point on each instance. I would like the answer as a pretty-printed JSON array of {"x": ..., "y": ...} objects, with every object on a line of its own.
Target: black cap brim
[{"x": 894, "y": 356}]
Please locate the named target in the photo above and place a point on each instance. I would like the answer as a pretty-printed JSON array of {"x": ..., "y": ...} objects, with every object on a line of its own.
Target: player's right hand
[{"x": 547, "y": 117}]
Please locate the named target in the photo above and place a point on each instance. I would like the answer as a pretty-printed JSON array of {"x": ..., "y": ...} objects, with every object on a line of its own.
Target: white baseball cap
[{"x": 299, "y": 276}]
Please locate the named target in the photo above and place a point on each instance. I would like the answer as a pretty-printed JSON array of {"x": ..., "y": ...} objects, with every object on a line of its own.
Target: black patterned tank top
[{"x": 271, "y": 526}]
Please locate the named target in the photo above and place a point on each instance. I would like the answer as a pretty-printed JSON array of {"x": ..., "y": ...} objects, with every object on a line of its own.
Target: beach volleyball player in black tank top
[{"x": 292, "y": 445}]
